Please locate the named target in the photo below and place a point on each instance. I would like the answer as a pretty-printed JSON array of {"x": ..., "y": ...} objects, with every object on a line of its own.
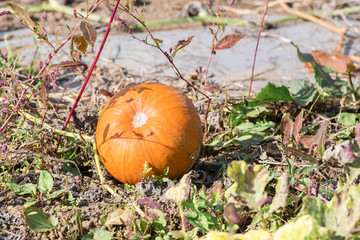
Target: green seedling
[{"x": 42, "y": 190}]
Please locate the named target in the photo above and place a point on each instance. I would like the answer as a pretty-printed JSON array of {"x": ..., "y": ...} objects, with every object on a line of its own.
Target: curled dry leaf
[
  {"x": 37, "y": 28},
  {"x": 181, "y": 191},
  {"x": 212, "y": 88},
  {"x": 22, "y": 14},
  {"x": 80, "y": 43},
  {"x": 228, "y": 41},
  {"x": 180, "y": 45},
  {"x": 69, "y": 64},
  {"x": 89, "y": 33},
  {"x": 106, "y": 93},
  {"x": 286, "y": 126},
  {"x": 337, "y": 61},
  {"x": 298, "y": 124},
  {"x": 320, "y": 137}
]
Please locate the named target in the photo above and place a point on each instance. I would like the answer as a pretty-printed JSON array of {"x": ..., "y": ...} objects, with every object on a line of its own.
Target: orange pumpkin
[{"x": 149, "y": 122}]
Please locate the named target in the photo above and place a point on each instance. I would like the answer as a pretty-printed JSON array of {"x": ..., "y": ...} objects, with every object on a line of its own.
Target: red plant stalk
[
  {"x": 90, "y": 71},
  {"x": 257, "y": 45},
  {"x": 16, "y": 108},
  {"x": 212, "y": 46}
]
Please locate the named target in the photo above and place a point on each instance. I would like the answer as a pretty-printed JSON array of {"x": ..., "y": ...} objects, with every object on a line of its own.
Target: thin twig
[
  {"x": 257, "y": 45},
  {"x": 90, "y": 71}
]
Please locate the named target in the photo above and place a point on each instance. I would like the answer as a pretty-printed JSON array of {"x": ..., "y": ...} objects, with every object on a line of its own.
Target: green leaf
[
  {"x": 99, "y": 234},
  {"x": 46, "y": 182},
  {"x": 39, "y": 221},
  {"x": 282, "y": 191},
  {"x": 242, "y": 111},
  {"x": 252, "y": 127},
  {"x": 54, "y": 194},
  {"x": 29, "y": 203},
  {"x": 273, "y": 93},
  {"x": 246, "y": 139},
  {"x": 334, "y": 87},
  {"x": 251, "y": 181},
  {"x": 347, "y": 119},
  {"x": 159, "y": 223},
  {"x": 353, "y": 169},
  {"x": 302, "y": 91},
  {"x": 251, "y": 235},
  {"x": 341, "y": 215},
  {"x": 303, "y": 228},
  {"x": 27, "y": 188},
  {"x": 306, "y": 170}
]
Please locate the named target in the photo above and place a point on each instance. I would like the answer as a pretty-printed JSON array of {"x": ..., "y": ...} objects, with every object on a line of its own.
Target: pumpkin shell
[{"x": 149, "y": 122}]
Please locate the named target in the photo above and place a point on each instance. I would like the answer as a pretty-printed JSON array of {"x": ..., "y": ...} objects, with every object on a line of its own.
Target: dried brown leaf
[
  {"x": 180, "y": 45},
  {"x": 320, "y": 137},
  {"x": 298, "y": 124},
  {"x": 212, "y": 88},
  {"x": 181, "y": 191},
  {"x": 43, "y": 94},
  {"x": 89, "y": 33},
  {"x": 37, "y": 28},
  {"x": 22, "y": 14},
  {"x": 106, "y": 93},
  {"x": 306, "y": 141},
  {"x": 286, "y": 126},
  {"x": 80, "y": 43},
  {"x": 158, "y": 41},
  {"x": 69, "y": 64},
  {"x": 228, "y": 41},
  {"x": 337, "y": 61},
  {"x": 300, "y": 153}
]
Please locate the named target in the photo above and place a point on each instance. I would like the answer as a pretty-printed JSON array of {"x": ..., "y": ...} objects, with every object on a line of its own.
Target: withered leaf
[
  {"x": 158, "y": 41},
  {"x": 80, "y": 43},
  {"x": 106, "y": 93},
  {"x": 298, "y": 124},
  {"x": 320, "y": 137},
  {"x": 212, "y": 88},
  {"x": 300, "y": 153},
  {"x": 22, "y": 14},
  {"x": 286, "y": 126},
  {"x": 337, "y": 61},
  {"x": 43, "y": 94},
  {"x": 180, "y": 45},
  {"x": 89, "y": 33},
  {"x": 306, "y": 141},
  {"x": 69, "y": 64},
  {"x": 228, "y": 41},
  {"x": 181, "y": 191},
  {"x": 37, "y": 28}
]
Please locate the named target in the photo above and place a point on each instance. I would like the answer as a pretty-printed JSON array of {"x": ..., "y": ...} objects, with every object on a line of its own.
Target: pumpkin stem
[{"x": 139, "y": 119}]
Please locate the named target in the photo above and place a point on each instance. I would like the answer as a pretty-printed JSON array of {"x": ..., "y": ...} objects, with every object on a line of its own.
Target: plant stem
[
  {"x": 42, "y": 70},
  {"x": 91, "y": 70},
  {"x": 354, "y": 94},
  {"x": 257, "y": 45}
]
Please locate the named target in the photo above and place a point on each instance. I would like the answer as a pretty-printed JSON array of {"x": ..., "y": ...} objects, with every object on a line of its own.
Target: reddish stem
[
  {"x": 257, "y": 45},
  {"x": 42, "y": 70},
  {"x": 90, "y": 71}
]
